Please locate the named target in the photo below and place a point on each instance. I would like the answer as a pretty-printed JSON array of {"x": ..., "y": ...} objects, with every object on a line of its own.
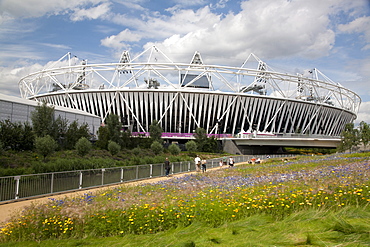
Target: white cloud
[
  {"x": 267, "y": 28},
  {"x": 359, "y": 25},
  {"x": 91, "y": 13},
  {"x": 120, "y": 40},
  {"x": 56, "y": 46},
  {"x": 364, "y": 113},
  {"x": 12, "y": 52},
  {"x": 220, "y": 4},
  {"x": 11, "y": 75},
  {"x": 159, "y": 28},
  {"x": 38, "y": 8},
  {"x": 132, "y": 5}
]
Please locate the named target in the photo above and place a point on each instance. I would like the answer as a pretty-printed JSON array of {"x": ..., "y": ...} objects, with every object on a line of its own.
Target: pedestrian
[
  {"x": 253, "y": 160},
  {"x": 167, "y": 166},
  {"x": 197, "y": 163},
  {"x": 221, "y": 163},
  {"x": 231, "y": 162},
  {"x": 204, "y": 165},
  {"x": 224, "y": 160}
]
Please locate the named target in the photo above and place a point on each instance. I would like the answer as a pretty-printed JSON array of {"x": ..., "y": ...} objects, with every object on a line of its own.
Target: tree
[
  {"x": 113, "y": 147},
  {"x": 200, "y": 138},
  {"x": 74, "y": 133},
  {"x": 156, "y": 147},
  {"x": 103, "y": 137},
  {"x": 174, "y": 149},
  {"x": 16, "y": 136},
  {"x": 350, "y": 138},
  {"x": 83, "y": 146},
  {"x": 364, "y": 133},
  {"x": 42, "y": 120},
  {"x": 28, "y": 137},
  {"x": 114, "y": 128},
  {"x": 126, "y": 139},
  {"x": 59, "y": 131},
  {"x": 210, "y": 145},
  {"x": 205, "y": 143},
  {"x": 45, "y": 145},
  {"x": 191, "y": 146},
  {"x": 155, "y": 131}
]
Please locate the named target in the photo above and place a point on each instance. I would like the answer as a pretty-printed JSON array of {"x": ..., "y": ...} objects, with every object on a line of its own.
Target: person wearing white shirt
[{"x": 197, "y": 163}]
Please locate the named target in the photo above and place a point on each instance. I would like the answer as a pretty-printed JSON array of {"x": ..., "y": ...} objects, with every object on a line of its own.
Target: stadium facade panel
[
  {"x": 218, "y": 113},
  {"x": 226, "y": 101}
]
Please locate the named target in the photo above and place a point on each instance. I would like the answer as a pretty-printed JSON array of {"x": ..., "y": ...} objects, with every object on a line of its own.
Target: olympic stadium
[{"x": 251, "y": 105}]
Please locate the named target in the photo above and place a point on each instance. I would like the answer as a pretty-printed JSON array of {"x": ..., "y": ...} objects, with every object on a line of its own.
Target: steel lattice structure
[{"x": 183, "y": 96}]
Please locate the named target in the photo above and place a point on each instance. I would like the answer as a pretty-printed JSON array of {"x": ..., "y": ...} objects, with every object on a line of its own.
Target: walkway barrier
[{"x": 14, "y": 188}]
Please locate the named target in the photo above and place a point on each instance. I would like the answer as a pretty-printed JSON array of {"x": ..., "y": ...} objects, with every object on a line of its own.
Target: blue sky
[{"x": 295, "y": 35}]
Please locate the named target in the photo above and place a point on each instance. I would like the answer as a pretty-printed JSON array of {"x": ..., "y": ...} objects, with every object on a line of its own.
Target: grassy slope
[
  {"x": 348, "y": 227},
  {"x": 316, "y": 227}
]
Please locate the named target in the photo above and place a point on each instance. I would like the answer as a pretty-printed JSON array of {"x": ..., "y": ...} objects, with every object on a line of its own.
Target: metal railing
[{"x": 15, "y": 188}]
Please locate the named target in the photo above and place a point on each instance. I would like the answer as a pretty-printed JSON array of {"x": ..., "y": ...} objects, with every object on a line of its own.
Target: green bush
[
  {"x": 191, "y": 146},
  {"x": 45, "y": 145},
  {"x": 72, "y": 164},
  {"x": 174, "y": 149},
  {"x": 137, "y": 151},
  {"x": 113, "y": 147},
  {"x": 83, "y": 146},
  {"x": 156, "y": 147}
]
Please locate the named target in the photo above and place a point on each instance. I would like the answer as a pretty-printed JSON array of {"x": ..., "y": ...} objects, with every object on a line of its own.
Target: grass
[
  {"x": 308, "y": 228},
  {"x": 315, "y": 201}
]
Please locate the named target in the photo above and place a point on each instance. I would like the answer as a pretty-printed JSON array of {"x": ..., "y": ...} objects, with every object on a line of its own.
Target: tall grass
[{"x": 273, "y": 192}]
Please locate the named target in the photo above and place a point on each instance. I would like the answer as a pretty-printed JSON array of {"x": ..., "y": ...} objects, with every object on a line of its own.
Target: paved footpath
[{"x": 10, "y": 208}]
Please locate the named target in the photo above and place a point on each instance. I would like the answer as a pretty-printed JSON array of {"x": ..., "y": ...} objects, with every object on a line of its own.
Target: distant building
[
  {"x": 245, "y": 102},
  {"x": 19, "y": 110}
]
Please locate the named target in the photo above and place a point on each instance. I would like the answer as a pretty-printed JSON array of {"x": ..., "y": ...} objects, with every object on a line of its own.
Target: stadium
[{"x": 249, "y": 105}]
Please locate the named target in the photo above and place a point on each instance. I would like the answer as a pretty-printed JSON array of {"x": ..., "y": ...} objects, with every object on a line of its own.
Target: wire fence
[{"x": 15, "y": 188}]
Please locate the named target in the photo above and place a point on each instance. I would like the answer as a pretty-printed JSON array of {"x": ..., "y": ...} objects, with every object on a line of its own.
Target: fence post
[
  {"x": 151, "y": 171},
  {"x": 102, "y": 176},
  {"x": 121, "y": 174},
  {"x": 137, "y": 172},
  {"x": 188, "y": 166},
  {"x": 52, "y": 183},
  {"x": 80, "y": 186},
  {"x": 17, "y": 178}
]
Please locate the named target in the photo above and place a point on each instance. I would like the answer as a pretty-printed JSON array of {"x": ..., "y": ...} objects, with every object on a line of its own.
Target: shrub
[
  {"x": 156, "y": 147},
  {"x": 83, "y": 146},
  {"x": 136, "y": 151},
  {"x": 113, "y": 147},
  {"x": 191, "y": 146},
  {"x": 174, "y": 149},
  {"x": 45, "y": 145}
]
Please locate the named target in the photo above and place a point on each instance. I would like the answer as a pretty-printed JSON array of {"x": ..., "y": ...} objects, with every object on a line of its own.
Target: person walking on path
[
  {"x": 204, "y": 165},
  {"x": 167, "y": 166},
  {"x": 197, "y": 161},
  {"x": 224, "y": 160},
  {"x": 231, "y": 161}
]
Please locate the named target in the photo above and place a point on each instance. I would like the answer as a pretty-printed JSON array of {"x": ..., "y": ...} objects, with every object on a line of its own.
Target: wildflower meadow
[{"x": 274, "y": 188}]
